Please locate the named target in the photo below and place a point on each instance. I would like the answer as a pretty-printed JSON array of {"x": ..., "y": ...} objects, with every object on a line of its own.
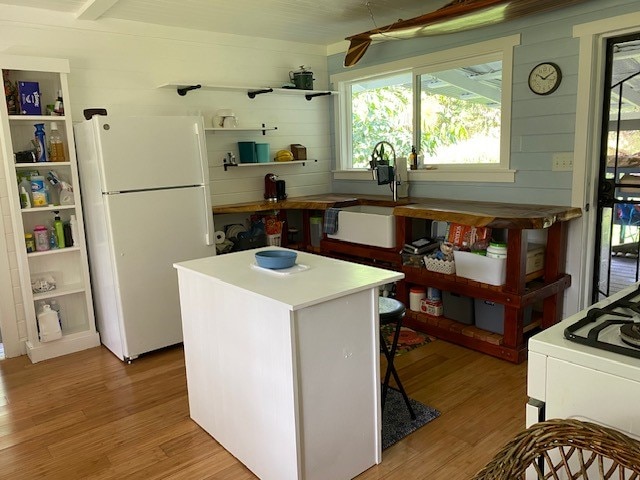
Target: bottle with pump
[
  {"x": 41, "y": 142},
  {"x": 59, "y": 230},
  {"x": 56, "y": 147}
]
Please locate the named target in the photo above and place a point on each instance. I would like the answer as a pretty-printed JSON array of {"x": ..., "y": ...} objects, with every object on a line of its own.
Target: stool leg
[{"x": 391, "y": 370}]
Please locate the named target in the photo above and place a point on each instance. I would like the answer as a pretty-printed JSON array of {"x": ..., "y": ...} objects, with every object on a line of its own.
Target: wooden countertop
[
  {"x": 466, "y": 212},
  {"x": 488, "y": 214},
  {"x": 310, "y": 202}
]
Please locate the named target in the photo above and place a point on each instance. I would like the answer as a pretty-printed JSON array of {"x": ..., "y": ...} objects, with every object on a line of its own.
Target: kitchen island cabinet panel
[{"x": 283, "y": 369}]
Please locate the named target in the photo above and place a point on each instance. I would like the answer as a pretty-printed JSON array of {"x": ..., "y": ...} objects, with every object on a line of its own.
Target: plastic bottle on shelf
[
  {"x": 58, "y": 107},
  {"x": 29, "y": 242},
  {"x": 59, "y": 229},
  {"x": 41, "y": 235},
  {"x": 39, "y": 192},
  {"x": 48, "y": 324},
  {"x": 25, "y": 198},
  {"x": 74, "y": 229},
  {"x": 56, "y": 146},
  {"x": 53, "y": 242},
  {"x": 41, "y": 143}
]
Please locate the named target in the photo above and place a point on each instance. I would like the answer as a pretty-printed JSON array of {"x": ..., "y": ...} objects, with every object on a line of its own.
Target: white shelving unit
[
  {"x": 252, "y": 92},
  {"x": 69, "y": 265}
]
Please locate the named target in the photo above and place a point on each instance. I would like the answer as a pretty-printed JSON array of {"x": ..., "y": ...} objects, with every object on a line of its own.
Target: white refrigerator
[{"x": 145, "y": 188}]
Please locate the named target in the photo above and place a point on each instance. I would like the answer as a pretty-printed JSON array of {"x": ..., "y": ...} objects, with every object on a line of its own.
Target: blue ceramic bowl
[{"x": 276, "y": 259}]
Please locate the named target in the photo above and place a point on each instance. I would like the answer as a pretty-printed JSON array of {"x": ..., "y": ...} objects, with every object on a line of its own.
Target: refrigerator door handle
[{"x": 209, "y": 234}]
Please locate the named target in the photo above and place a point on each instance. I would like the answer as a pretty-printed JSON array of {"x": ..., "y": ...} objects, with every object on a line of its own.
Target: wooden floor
[{"x": 88, "y": 415}]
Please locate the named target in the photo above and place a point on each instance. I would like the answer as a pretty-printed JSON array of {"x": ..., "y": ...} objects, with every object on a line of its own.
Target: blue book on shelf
[{"x": 29, "y": 95}]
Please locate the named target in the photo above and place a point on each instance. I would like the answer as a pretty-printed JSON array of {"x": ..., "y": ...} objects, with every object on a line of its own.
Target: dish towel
[{"x": 331, "y": 220}]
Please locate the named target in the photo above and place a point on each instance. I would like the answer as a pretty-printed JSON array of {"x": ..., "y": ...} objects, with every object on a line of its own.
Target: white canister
[
  {"x": 48, "y": 324},
  {"x": 416, "y": 294},
  {"x": 497, "y": 250}
]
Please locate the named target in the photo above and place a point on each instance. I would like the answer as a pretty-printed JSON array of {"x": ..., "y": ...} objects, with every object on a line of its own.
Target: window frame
[{"x": 497, "y": 49}]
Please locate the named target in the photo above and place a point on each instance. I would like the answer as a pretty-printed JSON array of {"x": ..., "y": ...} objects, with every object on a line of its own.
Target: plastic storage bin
[
  {"x": 490, "y": 315},
  {"x": 458, "y": 307},
  {"x": 492, "y": 271}
]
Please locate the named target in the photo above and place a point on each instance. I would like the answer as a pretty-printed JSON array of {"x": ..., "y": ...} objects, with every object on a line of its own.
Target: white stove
[{"x": 584, "y": 368}]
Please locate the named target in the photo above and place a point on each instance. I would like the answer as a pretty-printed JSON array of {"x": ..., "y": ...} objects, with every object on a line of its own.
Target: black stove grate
[{"x": 592, "y": 338}]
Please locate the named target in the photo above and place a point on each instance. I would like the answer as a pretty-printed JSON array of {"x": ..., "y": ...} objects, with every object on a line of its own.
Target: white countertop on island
[{"x": 325, "y": 279}]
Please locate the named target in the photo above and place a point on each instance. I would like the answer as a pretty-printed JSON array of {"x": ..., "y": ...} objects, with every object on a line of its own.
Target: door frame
[
  {"x": 13, "y": 347},
  {"x": 589, "y": 104}
]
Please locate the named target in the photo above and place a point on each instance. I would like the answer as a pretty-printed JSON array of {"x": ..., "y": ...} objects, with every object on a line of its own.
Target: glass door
[{"x": 618, "y": 232}]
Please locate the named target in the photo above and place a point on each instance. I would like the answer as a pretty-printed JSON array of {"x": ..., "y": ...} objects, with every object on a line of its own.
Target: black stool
[{"x": 391, "y": 310}]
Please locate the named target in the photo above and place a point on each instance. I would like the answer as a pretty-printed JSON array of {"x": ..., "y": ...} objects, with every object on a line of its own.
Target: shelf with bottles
[
  {"x": 37, "y": 118},
  {"x": 21, "y": 138},
  {"x": 25, "y": 137},
  {"x": 33, "y": 93},
  {"x": 50, "y": 191},
  {"x": 71, "y": 312},
  {"x": 48, "y": 208},
  {"x": 54, "y": 251}
]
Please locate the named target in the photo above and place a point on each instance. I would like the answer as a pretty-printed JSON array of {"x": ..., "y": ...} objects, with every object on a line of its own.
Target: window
[
  {"x": 453, "y": 106},
  {"x": 460, "y": 115},
  {"x": 381, "y": 109}
]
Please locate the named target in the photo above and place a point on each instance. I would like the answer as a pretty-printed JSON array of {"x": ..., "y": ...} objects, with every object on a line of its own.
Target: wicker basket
[
  {"x": 440, "y": 266},
  {"x": 564, "y": 448}
]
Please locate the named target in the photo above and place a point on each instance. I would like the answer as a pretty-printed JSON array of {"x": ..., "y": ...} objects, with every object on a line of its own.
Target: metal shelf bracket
[
  {"x": 309, "y": 96},
  {"x": 253, "y": 93},
  {"x": 182, "y": 91}
]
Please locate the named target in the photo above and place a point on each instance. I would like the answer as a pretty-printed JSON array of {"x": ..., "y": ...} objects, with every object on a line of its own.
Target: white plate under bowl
[{"x": 298, "y": 267}]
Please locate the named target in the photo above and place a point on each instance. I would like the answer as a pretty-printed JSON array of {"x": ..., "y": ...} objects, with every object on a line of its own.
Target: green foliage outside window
[{"x": 453, "y": 130}]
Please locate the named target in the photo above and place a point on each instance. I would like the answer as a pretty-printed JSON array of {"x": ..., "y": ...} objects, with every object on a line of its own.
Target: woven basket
[
  {"x": 440, "y": 266},
  {"x": 565, "y": 448}
]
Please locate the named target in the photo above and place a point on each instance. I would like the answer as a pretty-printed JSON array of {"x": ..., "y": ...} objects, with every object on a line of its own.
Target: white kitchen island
[{"x": 283, "y": 369}]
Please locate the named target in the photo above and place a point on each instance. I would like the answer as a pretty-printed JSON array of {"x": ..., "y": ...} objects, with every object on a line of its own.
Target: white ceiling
[{"x": 319, "y": 22}]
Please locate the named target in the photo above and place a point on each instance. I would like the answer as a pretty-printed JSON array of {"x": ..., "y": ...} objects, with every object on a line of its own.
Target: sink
[{"x": 367, "y": 225}]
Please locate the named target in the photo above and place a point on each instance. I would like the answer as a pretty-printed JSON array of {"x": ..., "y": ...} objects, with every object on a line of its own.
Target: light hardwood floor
[{"x": 88, "y": 415}]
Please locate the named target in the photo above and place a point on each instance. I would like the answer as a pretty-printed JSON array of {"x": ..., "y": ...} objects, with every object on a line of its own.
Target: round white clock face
[{"x": 545, "y": 78}]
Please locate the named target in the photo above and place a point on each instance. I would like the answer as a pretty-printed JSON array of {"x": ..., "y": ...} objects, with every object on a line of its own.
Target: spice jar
[
  {"x": 41, "y": 234},
  {"x": 29, "y": 242}
]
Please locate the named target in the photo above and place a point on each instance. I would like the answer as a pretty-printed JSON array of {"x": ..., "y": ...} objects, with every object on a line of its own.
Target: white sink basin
[{"x": 367, "y": 225}]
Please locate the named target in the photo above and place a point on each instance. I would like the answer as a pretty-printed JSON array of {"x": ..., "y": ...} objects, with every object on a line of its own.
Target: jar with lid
[
  {"x": 416, "y": 294},
  {"x": 41, "y": 235},
  {"x": 497, "y": 250}
]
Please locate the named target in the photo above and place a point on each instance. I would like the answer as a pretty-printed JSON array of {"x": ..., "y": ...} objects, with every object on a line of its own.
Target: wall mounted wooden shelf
[{"x": 252, "y": 92}]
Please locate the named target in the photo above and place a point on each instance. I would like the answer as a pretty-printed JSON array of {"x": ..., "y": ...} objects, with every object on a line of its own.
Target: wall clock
[{"x": 545, "y": 78}]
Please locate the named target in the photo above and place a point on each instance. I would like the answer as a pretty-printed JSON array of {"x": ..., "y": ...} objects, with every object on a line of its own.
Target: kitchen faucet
[{"x": 382, "y": 170}]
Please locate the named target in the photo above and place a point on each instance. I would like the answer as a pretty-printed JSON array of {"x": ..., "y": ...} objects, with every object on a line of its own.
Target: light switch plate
[{"x": 562, "y": 162}]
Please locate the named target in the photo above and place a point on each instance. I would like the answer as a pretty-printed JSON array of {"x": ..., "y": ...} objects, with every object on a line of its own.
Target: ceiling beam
[{"x": 94, "y": 9}]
